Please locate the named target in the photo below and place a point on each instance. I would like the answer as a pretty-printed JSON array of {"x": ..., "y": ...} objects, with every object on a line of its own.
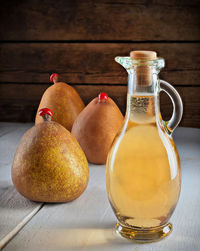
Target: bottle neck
[
  {"x": 142, "y": 80},
  {"x": 143, "y": 99}
]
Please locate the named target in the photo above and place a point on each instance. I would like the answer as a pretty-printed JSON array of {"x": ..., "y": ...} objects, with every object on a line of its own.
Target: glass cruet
[{"x": 143, "y": 176}]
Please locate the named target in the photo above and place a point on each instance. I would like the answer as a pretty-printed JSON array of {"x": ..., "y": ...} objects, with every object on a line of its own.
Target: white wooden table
[{"x": 88, "y": 222}]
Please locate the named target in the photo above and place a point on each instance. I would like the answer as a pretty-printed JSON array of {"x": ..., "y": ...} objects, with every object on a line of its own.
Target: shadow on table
[
  {"x": 102, "y": 239},
  {"x": 80, "y": 238}
]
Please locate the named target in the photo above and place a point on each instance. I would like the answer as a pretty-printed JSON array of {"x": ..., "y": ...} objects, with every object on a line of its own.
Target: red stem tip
[
  {"x": 54, "y": 77},
  {"x": 103, "y": 96},
  {"x": 44, "y": 111}
]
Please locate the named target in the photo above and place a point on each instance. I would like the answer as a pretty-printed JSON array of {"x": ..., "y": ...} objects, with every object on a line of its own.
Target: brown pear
[
  {"x": 63, "y": 100},
  {"x": 49, "y": 164},
  {"x": 96, "y": 127}
]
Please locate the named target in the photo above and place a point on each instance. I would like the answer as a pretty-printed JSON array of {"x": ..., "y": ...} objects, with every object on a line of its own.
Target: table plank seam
[{"x": 12, "y": 233}]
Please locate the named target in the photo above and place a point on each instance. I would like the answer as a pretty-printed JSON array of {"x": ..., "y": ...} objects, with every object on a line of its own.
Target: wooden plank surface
[
  {"x": 15, "y": 210},
  {"x": 79, "y": 63},
  {"x": 87, "y": 223},
  {"x": 100, "y": 20},
  {"x": 20, "y": 102},
  {"x": 79, "y": 40}
]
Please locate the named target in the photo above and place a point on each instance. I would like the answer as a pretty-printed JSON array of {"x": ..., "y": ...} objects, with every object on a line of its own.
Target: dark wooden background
[{"x": 79, "y": 40}]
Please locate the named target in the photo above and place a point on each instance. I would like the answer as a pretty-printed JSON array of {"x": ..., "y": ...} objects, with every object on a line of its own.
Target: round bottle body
[{"x": 143, "y": 176}]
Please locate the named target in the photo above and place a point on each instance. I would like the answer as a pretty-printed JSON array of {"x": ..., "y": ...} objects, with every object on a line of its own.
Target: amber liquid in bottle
[{"x": 143, "y": 169}]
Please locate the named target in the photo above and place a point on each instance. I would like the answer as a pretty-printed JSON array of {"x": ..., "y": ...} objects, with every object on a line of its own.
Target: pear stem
[
  {"x": 46, "y": 117},
  {"x": 55, "y": 79}
]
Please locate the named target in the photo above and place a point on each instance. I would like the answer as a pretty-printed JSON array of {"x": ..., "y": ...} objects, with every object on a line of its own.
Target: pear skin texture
[
  {"x": 49, "y": 165},
  {"x": 96, "y": 127},
  {"x": 65, "y": 103}
]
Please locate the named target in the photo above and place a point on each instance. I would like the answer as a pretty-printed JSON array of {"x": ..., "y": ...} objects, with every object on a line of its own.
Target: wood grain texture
[
  {"x": 93, "y": 63},
  {"x": 88, "y": 222},
  {"x": 15, "y": 210},
  {"x": 100, "y": 20},
  {"x": 80, "y": 39},
  {"x": 19, "y": 102}
]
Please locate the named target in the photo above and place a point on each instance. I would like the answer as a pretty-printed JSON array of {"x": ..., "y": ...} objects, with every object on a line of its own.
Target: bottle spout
[{"x": 126, "y": 62}]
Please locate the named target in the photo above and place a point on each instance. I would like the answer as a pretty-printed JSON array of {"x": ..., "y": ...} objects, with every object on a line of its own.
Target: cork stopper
[
  {"x": 143, "y": 55},
  {"x": 143, "y": 72}
]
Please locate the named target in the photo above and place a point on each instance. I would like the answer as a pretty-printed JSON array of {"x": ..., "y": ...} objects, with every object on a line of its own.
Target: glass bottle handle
[{"x": 177, "y": 105}]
